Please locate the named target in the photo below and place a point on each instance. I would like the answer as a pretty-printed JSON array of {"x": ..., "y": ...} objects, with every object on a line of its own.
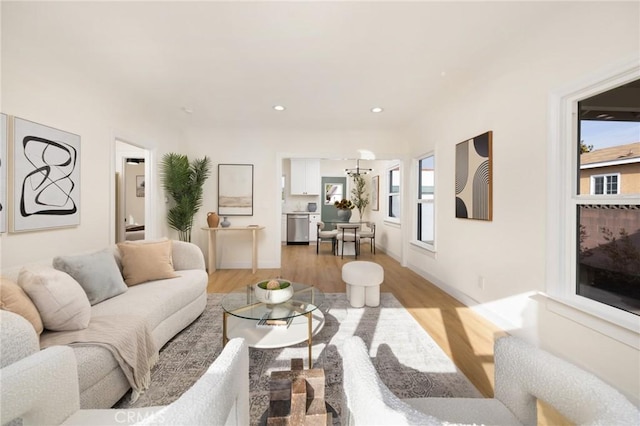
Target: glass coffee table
[{"x": 267, "y": 326}]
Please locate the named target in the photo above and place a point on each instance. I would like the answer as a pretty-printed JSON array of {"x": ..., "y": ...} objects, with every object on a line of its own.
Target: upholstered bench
[{"x": 363, "y": 282}]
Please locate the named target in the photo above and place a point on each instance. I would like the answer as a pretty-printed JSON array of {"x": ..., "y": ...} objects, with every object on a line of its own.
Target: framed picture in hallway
[
  {"x": 375, "y": 188},
  {"x": 235, "y": 189},
  {"x": 474, "y": 174},
  {"x": 46, "y": 177}
]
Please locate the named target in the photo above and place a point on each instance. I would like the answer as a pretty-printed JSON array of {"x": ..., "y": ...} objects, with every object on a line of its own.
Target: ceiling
[{"x": 229, "y": 63}]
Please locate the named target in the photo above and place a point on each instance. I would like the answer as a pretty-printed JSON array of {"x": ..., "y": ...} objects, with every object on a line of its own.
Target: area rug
[{"x": 407, "y": 359}]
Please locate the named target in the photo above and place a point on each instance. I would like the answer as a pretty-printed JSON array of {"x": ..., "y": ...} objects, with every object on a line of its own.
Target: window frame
[
  {"x": 563, "y": 199},
  {"x": 419, "y": 201},
  {"x": 390, "y": 194},
  {"x": 605, "y": 183}
]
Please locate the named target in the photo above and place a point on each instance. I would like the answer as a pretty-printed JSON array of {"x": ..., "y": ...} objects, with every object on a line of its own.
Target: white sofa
[
  {"x": 167, "y": 305},
  {"x": 42, "y": 389},
  {"x": 523, "y": 374}
]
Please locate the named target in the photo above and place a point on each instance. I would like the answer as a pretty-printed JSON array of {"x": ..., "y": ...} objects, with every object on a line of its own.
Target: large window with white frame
[
  {"x": 594, "y": 220},
  {"x": 608, "y": 227},
  {"x": 393, "y": 194},
  {"x": 425, "y": 223}
]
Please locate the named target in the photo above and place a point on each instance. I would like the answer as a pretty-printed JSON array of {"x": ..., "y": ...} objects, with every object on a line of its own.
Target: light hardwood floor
[{"x": 465, "y": 336}]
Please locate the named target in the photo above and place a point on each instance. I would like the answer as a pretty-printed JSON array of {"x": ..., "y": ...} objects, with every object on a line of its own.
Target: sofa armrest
[
  {"x": 41, "y": 389},
  {"x": 524, "y": 373},
  {"x": 187, "y": 256},
  {"x": 18, "y": 339}
]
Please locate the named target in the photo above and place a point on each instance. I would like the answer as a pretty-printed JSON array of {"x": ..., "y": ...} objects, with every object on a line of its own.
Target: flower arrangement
[{"x": 344, "y": 204}]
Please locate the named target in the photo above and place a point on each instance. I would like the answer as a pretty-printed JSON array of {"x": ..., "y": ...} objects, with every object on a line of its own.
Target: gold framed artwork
[{"x": 474, "y": 175}]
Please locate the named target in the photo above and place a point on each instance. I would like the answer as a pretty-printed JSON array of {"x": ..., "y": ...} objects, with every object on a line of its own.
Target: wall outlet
[{"x": 481, "y": 282}]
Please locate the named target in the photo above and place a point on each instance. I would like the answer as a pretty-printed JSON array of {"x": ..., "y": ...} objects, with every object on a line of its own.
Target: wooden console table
[{"x": 212, "y": 244}]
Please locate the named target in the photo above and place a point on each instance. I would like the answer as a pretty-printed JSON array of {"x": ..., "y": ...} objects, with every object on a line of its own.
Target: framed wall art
[
  {"x": 139, "y": 185},
  {"x": 375, "y": 189},
  {"x": 235, "y": 189},
  {"x": 46, "y": 177},
  {"x": 3, "y": 173},
  {"x": 474, "y": 173}
]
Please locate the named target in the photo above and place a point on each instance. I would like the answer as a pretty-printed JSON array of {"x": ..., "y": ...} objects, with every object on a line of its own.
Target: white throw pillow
[{"x": 61, "y": 301}]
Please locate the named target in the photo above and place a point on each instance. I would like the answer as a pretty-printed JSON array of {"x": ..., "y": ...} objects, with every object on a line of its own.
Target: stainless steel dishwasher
[{"x": 297, "y": 229}]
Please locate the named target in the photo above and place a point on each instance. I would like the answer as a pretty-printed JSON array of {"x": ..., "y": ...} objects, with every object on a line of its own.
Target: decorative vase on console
[
  {"x": 213, "y": 219},
  {"x": 225, "y": 223}
]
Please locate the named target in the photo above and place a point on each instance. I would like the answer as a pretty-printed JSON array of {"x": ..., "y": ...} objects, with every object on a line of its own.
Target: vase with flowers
[{"x": 344, "y": 207}]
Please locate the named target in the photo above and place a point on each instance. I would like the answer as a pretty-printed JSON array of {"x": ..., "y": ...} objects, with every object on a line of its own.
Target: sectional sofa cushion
[
  {"x": 14, "y": 299},
  {"x": 97, "y": 273},
  {"x": 146, "y": 262},
  {"x": 61, "y": 301}
]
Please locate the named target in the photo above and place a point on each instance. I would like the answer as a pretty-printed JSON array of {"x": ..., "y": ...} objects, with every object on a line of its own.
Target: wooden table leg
[
  {"x": 212, "y": 251},
  {"x": 254, "y": 253},
  {"x": 224, "y": 328}
]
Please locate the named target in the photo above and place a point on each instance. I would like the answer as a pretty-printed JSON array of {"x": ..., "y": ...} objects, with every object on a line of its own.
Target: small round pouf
[{"x": 363, "y": 283}]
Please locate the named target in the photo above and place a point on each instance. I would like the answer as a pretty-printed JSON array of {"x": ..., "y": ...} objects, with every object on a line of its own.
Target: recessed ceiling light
[
  {"x": 279, "y": 107},
  {"x": 376, "y": 109}
]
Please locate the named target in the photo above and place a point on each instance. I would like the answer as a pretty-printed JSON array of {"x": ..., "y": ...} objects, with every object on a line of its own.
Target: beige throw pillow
[
  {"x": 146, "y": 262},
  {"x": 61, "y": 301},
  {"x": 14, "y": 299}
]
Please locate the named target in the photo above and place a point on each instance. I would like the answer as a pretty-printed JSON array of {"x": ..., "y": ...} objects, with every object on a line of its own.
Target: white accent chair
[
  {"x": 326, "y": 235},
  {"x": 42, "y": 389},
  {"x": 523, "y": 374}
]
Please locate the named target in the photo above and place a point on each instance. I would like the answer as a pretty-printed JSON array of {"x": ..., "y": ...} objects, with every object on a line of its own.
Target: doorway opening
[{"x": 131, "y": 194}]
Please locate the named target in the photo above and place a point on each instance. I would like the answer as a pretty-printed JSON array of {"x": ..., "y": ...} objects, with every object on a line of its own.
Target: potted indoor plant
[
  {"x": 359, "y": 195},
  {"x": 183, "y": 181},
  {"x": 344, "y": 207}
]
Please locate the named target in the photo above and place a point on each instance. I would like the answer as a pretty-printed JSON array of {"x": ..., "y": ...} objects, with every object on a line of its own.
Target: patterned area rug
[{"x": 409, "y": 362}]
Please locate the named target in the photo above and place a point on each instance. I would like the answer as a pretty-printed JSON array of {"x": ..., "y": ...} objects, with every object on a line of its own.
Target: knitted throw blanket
[{"x": 127, "y": 337}]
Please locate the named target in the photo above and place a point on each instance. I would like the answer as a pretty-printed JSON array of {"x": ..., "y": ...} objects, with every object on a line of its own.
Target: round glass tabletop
[{"x": 244, "y": 304}]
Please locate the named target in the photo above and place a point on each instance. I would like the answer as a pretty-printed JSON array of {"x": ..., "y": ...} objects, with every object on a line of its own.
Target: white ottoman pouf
[{"x": 363, "y": 283}]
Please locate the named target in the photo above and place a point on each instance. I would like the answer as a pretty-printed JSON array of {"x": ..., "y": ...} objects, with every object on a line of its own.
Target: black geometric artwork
[
  {"x": 47, "y": 177},
  {"x": 474, "y": 192}
]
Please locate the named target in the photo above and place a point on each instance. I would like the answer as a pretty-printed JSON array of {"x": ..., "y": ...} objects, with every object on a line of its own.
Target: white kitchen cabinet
[
  {"x": 305, "y": 176},
  {"x": 313, "y": 227}
]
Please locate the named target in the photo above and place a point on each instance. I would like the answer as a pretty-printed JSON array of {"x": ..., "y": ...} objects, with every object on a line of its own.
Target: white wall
[
  {"x": 510, "y": 97},
  {"x": 70, "y": 100}
]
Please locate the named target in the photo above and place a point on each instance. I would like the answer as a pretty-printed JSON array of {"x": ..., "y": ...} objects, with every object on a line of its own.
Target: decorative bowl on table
[{"x": 274, "y": 291}]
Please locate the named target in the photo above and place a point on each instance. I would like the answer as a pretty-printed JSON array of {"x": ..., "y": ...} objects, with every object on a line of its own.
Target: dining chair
[
  {"x": 369, "y": 233},
  {"x": 326, "y": 235},
  {"x": 348, "y": 233}
]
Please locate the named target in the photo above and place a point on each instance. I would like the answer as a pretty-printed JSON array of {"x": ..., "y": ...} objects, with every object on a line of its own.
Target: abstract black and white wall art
[
  {"x": 3, "y": 173},
  {"x": 474, "y": 172},
  {"x": 46, "y": 177}
]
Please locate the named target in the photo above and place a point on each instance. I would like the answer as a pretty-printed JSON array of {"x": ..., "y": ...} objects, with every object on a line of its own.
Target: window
[
  {"x": 608, "y": 235},
  {"x": 394, "y": 193},
  {"x": 594, "y": 201},
  {"x": 426, "y": 201},
  {"x": 604, "y": 184}
]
